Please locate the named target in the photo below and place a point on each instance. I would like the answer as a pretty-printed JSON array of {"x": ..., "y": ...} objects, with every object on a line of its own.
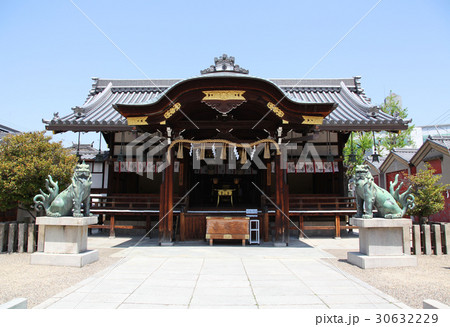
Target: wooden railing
[
  {"x": 318, "y": 205},
  {"x": 130, "y": 205}
]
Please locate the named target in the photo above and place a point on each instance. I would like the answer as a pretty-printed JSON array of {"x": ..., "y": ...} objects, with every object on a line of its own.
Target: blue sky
[{"x": 50, "y": 50}]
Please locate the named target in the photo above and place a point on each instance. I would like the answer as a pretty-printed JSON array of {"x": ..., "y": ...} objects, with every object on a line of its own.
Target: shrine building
[{"x": 221, "y": 143}]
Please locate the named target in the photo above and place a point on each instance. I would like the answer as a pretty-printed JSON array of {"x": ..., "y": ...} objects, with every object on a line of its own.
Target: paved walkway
[{"x": 224, "y": 276}]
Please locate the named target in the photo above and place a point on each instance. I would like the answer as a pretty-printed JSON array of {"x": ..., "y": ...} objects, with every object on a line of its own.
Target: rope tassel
[
  {"x": 223, "y": 154},
  {"x": 266, "y": 151},
  {"x": 202, "y": 151},
  {"x": 180, "y": 151},
  {"x": 243, "y": 156}
]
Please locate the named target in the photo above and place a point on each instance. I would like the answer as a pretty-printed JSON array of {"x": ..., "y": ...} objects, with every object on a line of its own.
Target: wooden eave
[{"x": 258, "y": 91}]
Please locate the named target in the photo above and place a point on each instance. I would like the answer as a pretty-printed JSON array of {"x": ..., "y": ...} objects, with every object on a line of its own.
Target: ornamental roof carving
[{"x": 224, "y": 63}]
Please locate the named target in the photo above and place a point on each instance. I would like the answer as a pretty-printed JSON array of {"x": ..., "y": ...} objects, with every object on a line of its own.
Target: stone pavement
[{"x": 197, "y": 276}]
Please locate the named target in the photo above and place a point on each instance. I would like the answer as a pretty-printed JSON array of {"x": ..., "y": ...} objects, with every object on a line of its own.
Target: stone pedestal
[
  {"x": 382, "y": 243},
  {"x": 65, "y": 241}
]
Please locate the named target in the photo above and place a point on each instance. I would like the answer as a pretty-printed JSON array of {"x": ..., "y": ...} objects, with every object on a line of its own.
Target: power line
[{"x": 442, "y": 116}]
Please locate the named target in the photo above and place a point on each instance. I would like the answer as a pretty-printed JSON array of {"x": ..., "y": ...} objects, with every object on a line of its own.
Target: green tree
[
  {"x": 362, "y": 142},
  {"x": 25, "y": 162},
  {"x": 428, "y": 193},
  {"x": 401, "y": 139}
]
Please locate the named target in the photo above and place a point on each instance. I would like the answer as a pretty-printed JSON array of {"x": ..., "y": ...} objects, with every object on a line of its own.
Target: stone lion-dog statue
[
  {"x": 71, "y": 199},
  {"x": 370, "y": 196}
]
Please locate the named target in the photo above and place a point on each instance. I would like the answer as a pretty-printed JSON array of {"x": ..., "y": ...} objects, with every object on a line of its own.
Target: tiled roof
[
  {"x": 442, "y": 141},
  {"x": 4, "y": 130},
  {"x": 86, "y": 151},
  {"x": 405, "y": 153},
  {"x": 354, "y": 110}
]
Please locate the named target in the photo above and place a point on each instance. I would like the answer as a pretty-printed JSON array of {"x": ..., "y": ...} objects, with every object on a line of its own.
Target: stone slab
[
  {"x": 2, "y": 236},
  {"x": 67, "y": 221},
  {"x": 17, "y": 303},
  {"x": 380, "y": 261},
  {"x": 30, "y": 242},
  {"x": 433, "y": 304},
  {"x": 380, "y": 222},
  {"x": 12, "y": 235},
  {"x": 71, "y": 260},
  {"x": 426, "y": 239},
  {"x": 280, "y": 244},
  {"x": 437, "y": 239}
]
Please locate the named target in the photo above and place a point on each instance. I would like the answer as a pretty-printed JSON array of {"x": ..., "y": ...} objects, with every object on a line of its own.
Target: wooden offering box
[{"x": 227, "y": 228}]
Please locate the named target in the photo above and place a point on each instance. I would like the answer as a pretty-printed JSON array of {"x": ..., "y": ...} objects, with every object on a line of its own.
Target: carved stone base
[
  {"x": 64, "y": 241},
  {"x": 69, "y": 260},
  {"x": 382, "y": 243},
  {"x": 365, "y": 261}
]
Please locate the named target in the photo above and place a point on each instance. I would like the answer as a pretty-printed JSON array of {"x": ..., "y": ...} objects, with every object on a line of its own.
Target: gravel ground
[
  {"x": 38, "y": 283},
  {"x": 410, "y": 285}
]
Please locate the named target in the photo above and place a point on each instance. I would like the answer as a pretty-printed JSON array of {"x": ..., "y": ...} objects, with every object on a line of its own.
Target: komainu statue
[
  {"x": 76, "y": 194},
  {"x": 370, "y": 196}
]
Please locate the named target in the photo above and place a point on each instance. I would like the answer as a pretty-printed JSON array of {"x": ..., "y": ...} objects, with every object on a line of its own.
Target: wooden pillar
[
  {"x": 286, "y": 216},
  {"x": 112, "y": 226},
  {"x": 182, "y": 226},
  {"x": 337, "y": 223},
  {"x": 301, "y": 225},
  {"x": 166, "y": 215},
  {"x": 162, "y": 196},
  {"x": 266, "y": 226},
  {"x": 281, "y": 222},
  {"x": 278, "y": 195},
  {"x": 342, "y": 139},
  {"x": 169, "y": 198}
]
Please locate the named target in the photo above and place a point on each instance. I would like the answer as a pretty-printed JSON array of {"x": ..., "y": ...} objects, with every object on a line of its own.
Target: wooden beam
[{"x": 224, "y": 125}]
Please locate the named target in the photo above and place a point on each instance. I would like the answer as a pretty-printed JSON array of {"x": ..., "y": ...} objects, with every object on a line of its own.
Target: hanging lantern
[
  {"x": 120, "y": 156},
  {"x": 330, "y": 157},
  {"x": 99, "y": 156},
  {"x": 352, "y": 156},
  {"x": 180, "y": 151},
  {"x": 375, "y": 155}
]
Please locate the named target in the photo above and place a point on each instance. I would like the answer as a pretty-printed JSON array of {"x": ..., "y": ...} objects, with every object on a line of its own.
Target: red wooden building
[{"x": 226, "y": 141}]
